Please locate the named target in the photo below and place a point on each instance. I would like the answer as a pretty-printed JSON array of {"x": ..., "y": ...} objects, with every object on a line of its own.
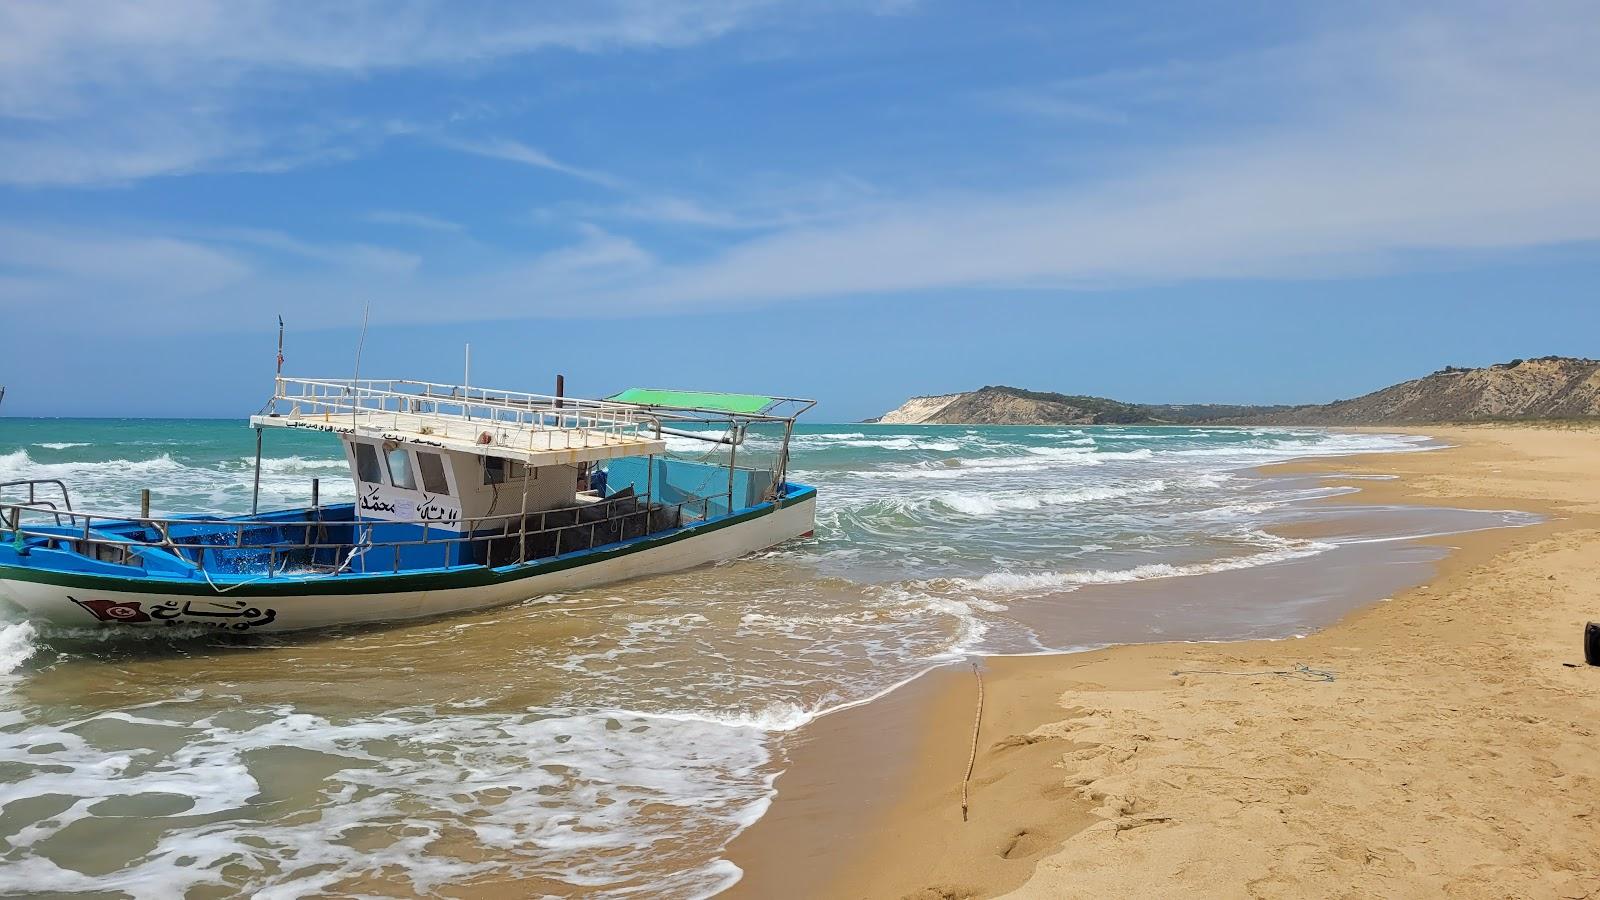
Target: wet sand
[{"x": 1453, "y": 751}]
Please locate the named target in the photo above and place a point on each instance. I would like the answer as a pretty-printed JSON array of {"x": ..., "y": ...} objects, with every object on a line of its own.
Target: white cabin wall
[
  {"x": 383, "y": 501},
  {"x": 548, "y": 487}
]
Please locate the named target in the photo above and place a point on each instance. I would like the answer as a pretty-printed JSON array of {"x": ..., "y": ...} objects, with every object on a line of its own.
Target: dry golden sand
[{"x": 1456, "y": 752}]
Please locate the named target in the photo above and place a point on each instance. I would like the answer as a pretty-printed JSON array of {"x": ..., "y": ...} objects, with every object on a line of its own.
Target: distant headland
[{"x": 1550, "y": 387}]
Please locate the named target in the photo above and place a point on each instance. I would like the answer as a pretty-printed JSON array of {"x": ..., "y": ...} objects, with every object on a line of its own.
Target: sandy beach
[{"x": 1440, "y": 742}]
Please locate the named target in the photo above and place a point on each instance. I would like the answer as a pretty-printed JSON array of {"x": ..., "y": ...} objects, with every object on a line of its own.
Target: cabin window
[
  {"x": 499, "y": 471},
  {"x": 432, "y": 469},
  {"x": 367, "y": 464},
  {"x": 400, "y": 474}
]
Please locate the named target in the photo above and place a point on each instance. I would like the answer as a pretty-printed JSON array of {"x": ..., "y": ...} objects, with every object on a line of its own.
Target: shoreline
[{"x": 1084, "y": 800}]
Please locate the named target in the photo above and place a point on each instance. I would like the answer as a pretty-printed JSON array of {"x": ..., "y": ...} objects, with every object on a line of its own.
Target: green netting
[{"x": 732, "y": 403}]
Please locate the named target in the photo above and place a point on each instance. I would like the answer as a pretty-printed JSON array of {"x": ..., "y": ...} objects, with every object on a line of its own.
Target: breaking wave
[{"x": 1007, "y": 582}]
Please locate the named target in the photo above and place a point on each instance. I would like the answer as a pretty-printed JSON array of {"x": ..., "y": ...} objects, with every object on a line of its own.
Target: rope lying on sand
[
  {"x": 1300, "y": 670},
  {"x": 972, "y": 758}
]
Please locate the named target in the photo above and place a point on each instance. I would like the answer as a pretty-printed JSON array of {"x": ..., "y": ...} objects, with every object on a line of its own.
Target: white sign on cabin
[{"x": 400, "y": 483}]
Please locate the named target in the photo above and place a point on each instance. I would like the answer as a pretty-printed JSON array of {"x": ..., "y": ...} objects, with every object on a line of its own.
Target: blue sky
[{"x": 1250, "y": 202}]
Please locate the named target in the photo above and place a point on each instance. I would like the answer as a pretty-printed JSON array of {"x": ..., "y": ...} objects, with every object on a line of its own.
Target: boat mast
[{"x": 277, "y": 385}]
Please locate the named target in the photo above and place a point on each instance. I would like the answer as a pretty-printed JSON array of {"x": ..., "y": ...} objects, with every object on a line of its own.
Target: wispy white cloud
[
  {"x": 745, "y": 205},
  {"x": 85, "y": 270},
  {"x": 1438, "y": 133},
  {"x": 1463, "y": 131},
  {"x": 107, "y": 92},
  {"x": 518, "y": 152},
  {"x": 354, "y": 256},
  {"x": 54, "y": 55},
  {"x": 404, "y": 219}
]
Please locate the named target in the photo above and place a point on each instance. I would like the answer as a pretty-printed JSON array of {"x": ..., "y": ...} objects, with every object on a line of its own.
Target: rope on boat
[
  {"x": 972, "y": 758},
  {"x": 360, "y": 548},
  {"x": 224, "y": 590}
]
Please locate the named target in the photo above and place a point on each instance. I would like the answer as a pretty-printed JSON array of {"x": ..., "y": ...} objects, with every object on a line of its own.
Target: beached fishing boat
[{"x": 466, "y": 498}]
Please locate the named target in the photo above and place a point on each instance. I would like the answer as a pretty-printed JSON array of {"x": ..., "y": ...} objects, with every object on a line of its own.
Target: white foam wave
[
  {"x": 60, "y": 445},
  {"x": 111, "y": 485},
  {"x": 294, "y": 465},
  {"x": 988, "y": 504},
  {"x": 902, "y": 443},
  {"x": 1006, "y": 582},
  {"x": 16, "y": 645},
  {"x": 679, "y": 444},
  {"x": 777, "y": 716},
  {"x": 500, "y": 796},
  {"x": 17, "y": 464}
]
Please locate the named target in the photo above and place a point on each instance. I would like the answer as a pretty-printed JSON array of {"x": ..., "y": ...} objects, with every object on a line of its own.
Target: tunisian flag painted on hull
[{"x": 114, "y": 610}]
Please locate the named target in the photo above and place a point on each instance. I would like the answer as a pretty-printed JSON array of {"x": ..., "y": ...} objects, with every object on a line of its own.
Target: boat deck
[{"x": 333, "y": 541}]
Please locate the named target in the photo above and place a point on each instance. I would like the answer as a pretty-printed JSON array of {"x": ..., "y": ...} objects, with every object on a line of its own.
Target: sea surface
[{"x": 610, "y": 742}]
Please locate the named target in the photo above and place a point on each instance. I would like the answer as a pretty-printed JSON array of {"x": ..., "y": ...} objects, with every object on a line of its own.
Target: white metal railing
[
  {"x": 300, "y": 536},
  {"x": 511, "y": 419}
]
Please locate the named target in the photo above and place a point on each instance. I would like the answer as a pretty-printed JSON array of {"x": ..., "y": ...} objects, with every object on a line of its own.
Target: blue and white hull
[{"x": 291, "y": 602}]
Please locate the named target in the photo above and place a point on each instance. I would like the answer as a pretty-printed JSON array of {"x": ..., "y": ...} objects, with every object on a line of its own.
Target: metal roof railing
[{"x": 512, "y": 420}]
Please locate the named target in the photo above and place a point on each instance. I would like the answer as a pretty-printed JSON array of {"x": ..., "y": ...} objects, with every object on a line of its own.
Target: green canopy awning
[{"x": 749, "y": 404}]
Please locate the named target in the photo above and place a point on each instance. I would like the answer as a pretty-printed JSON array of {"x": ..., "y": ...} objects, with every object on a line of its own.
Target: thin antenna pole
[
  {"x": 360, "y": 343},
  {"x": 354, "y": 407},
  {"x": 466, "y": 374},
  {"x": 277, "y": 389}
]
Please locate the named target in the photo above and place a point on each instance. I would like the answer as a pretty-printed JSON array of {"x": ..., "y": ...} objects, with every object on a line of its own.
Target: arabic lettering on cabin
[
  {"x": 371, "y": 502},
  {"x": 408, "y": 439},
  {"x": 322, "y": 426},
  {"x": 433, "y": 511}
]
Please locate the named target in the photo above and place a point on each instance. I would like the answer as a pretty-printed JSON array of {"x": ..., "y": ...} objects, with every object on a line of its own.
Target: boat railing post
[
  {"x": 522, "y": 519},
  {"x": 782, "y": 475},
  {"x": 733, "y": 450},
  {"x": 255, "y": 490}
]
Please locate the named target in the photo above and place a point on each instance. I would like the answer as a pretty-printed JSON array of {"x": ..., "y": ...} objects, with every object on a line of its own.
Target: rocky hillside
[
  {"x": 1553, "y": 387},
  {"x": 1001, "y": 405},
  {"x": 917, "y": 410},
  {"x": 1547, "y": 388}
]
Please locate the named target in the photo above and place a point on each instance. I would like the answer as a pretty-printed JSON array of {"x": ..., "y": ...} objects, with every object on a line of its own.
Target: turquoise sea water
[{"x": 612, "y": 741}]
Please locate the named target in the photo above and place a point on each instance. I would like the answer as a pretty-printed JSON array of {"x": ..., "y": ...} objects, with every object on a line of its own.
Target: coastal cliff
[{"x": 1551, "y": 387}]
